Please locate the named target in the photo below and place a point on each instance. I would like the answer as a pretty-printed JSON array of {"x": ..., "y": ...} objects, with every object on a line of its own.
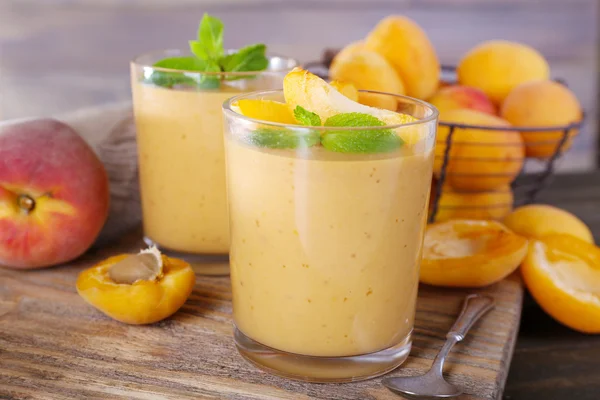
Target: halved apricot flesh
[
  {"x": 267, "y": 110},
  {"x": 470, "y": 253},
  {"x": 139, "y": 293},
  {"x": 562, "y": 273}
]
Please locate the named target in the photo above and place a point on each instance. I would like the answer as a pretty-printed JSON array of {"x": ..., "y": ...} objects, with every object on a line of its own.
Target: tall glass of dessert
[
  {"x": 177, "y": 100},
  {"x": 328, "y": 205}
]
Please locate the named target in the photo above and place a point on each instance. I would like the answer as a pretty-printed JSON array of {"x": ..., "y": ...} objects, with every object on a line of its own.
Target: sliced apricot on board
[
  {"x": 267, "y": 110},
  {"x": 137, "y": 289},
  {"x": 562, "y": 273},
  {"x": 470, "y": 253}
]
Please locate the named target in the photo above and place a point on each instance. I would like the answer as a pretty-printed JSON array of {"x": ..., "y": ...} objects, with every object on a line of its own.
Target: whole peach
[
  {"x": 456, "y": 97},
  {"x": 54, "y": 194}
]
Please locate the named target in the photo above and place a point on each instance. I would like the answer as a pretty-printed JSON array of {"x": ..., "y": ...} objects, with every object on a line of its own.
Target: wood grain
[{"x": 53, "y": 345}]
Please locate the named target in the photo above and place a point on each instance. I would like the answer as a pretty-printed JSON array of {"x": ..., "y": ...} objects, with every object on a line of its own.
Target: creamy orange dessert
[
  {"x": 177, "y": 104},
  {"x": 327, "y": 220}
]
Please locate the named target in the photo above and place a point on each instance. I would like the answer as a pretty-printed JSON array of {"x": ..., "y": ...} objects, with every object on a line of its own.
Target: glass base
[
  {"x": 202, "y": 264},
  {"x": 322, "y": 369}
]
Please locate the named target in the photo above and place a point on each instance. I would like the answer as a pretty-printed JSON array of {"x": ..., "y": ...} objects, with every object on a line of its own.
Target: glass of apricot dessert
[
  {"x": 328, "y": 205},
  {"x": 177, "y": 98}
]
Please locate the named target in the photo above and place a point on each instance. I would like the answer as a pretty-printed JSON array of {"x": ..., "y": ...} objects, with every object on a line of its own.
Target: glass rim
[
  {"x": 229, "y": 111},
  {"x": 175, "y": 51}
]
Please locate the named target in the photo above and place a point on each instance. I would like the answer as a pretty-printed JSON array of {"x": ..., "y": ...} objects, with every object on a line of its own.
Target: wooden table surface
[{"x": 551, "y": 362}]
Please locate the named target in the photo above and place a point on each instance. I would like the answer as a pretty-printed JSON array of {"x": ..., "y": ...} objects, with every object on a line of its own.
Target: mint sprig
[
  {"x": 209, "y": 56},
  {"x": 306, "y": 117},
  {"x": 359, "y": 141}
]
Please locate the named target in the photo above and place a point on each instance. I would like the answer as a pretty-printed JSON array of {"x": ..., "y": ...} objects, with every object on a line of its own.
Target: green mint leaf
[
  {"x": 306, "y": 117},
  {"x": 359, "y": 141},
  {"x": 193, "y": 80},
  {"x": 249, "y": 58},
  {"x": 353, "y": 119},
  {"x": 210, "y": 38},
  {"x": 283, "y": 139},
  {"x": 181, "y": 63}
]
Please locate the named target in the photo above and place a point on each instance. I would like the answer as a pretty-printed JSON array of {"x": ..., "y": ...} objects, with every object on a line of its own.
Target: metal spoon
[{"x": 432, "y": 384}]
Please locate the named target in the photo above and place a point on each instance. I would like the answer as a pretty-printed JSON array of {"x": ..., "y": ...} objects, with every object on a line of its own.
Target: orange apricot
[
  {"x": 407, "y": 47},
  {"x": 368, "y": 70},
  {"x": 542, "y": 104},
  {"x": 479, "y": 159},
  {"x": 539, "y": 220},
  {"x": 460, "y": 204},
  {"x": 137, "y": 289},
  {"x": 468, "y": 253},
  {"x": 562, "y": 273},
  {"x": 498, "y": 66}
]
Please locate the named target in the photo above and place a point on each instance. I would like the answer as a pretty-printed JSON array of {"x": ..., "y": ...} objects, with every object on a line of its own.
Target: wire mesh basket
[{"x": 523, "y": 185}]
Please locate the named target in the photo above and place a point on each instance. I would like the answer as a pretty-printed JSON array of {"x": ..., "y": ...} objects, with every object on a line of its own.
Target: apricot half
[
  {"x": 137, "y": 289},
  {"x": 468, "y": 253},
  {"x": 562, "y": 274},
  {"x": 538, "y": 220}
]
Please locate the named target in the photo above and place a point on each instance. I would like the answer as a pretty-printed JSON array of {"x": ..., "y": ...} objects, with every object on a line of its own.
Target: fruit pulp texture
[
  {"x": 182, "y": 168},
  {"x": 326, "y": 249}
]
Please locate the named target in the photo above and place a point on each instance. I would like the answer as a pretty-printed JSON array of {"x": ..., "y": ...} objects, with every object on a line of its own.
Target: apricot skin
[
  {"x": 544, "y": 104},
  {"x": 143, "y": 302},
  {"x": 539, "y": 220},
  {"x": 488, "y": 205},
  {"x": 406, "y": 46},
  {"x": 498, "y": 66},
  {"x": 367, "y": 70},
  {"x": 479, "y": 159}
]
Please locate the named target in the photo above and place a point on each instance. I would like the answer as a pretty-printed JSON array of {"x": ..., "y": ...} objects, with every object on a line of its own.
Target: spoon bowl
[{"x": 433, "y": 384}]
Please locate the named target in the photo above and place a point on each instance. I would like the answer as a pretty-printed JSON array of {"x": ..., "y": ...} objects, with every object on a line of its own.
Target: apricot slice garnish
[
  {"x": 302, "y": 88},
  {"x": 346, "y": 88},
  {"x": 267, "y": 110},
  {"x": 562, "y": 273},
  {"x": 470, "y": 253},
  {"x": 137, "y": 289}
]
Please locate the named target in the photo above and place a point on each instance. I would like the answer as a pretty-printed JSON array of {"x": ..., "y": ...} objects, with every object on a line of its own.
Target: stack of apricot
[
  {"x": 500, "y": 85},
  {"x": 502, "y": 95}
]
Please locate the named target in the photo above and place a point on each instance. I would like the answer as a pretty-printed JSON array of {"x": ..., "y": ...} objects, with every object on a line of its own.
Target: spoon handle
[{"x": 474, "y": 307}]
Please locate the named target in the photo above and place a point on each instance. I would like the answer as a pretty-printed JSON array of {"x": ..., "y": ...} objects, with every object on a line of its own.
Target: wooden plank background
[{"x": 63, "y": 54}]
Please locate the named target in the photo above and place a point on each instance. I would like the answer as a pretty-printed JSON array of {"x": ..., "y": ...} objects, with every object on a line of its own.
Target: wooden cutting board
[{"x": 55, "y": 346}]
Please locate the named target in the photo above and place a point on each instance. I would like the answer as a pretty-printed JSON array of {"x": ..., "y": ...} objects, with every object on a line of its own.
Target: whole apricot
[
  {"x": 455, "y": 97},
  {"x": 348, "y": 50},
  {"x": 498, "y": 66},
  {"x": 460, "y": 204},
  {"x": 408, "y": 48},
  {"x": 539, "y": 220},
  {"x": 368, "y": 70},
  {"x": 479, "y": 159},
  {"x": 542, "y": 104}
]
